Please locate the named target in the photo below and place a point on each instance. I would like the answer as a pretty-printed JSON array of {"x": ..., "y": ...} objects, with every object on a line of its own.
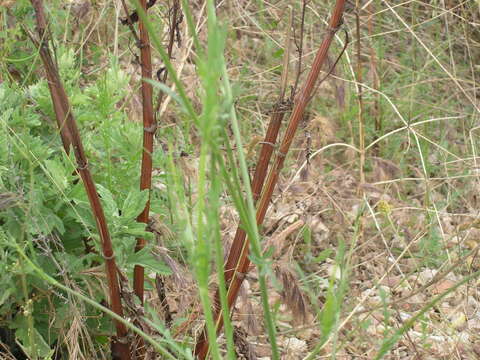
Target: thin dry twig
[{"x": 359, "y": 78}]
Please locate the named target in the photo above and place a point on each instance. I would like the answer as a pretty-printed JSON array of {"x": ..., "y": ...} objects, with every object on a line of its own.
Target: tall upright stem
[
  {"x": 240, "y": 249},
  {"x": 149, "y": 127},
  {"x": 71, "y": 136}
]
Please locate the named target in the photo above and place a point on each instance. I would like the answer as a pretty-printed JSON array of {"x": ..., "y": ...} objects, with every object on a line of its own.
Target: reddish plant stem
[
  {"x": 257, "y": 184},
  {"x": 71, "y": 136},
  {"x": 149, "y": 127},
  {"x": 266, "y": 151},
  {"x": 239, "y": 252},
  {"x": 59, "y": 107},
  {"x": 259, "y": 177}
]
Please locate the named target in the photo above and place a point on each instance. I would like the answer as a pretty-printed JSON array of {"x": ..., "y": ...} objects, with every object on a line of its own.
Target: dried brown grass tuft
[
  {"x": 77, "y": 338},
  {"x": 243, "y": 348},
  {"x": 247, "y": 312},
  {"x": 292, "y": 294}
]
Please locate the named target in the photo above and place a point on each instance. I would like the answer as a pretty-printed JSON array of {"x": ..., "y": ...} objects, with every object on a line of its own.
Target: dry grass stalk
[
  {"x": 359, "y": 78},
  {"x": 376, "y": 80},
  {"x": 71, "y": 137},
  {"x": 239, "y": 252}
]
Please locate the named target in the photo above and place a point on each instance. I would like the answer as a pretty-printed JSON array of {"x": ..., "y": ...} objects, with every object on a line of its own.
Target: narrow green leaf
[{"x": 329, "y": 315}]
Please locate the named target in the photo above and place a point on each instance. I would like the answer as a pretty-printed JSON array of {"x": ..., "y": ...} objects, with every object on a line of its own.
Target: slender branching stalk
[
  {"x": 71, "y": 135},
  {"x": 240, "y": 258}
]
